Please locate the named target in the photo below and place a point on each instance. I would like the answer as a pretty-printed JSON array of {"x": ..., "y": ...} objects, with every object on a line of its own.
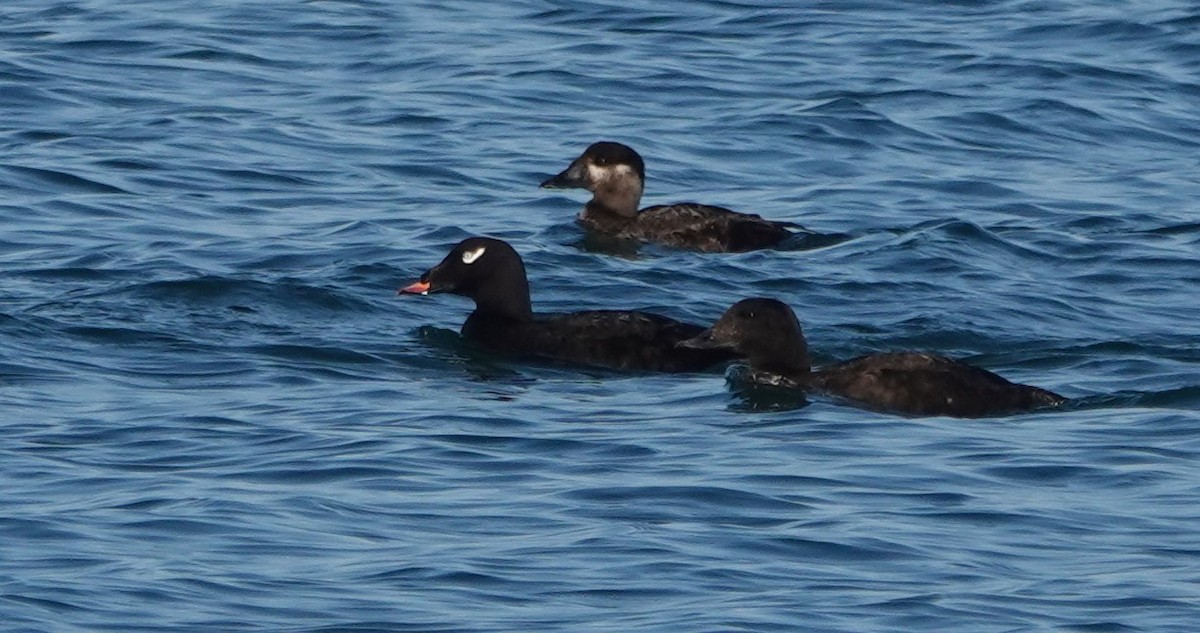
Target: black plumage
[
  {"x": 768, "y": 334},
  {"x": 490, "y": 272}
]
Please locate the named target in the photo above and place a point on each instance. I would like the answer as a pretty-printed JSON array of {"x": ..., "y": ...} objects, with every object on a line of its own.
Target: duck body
[
  {"x": 689, "y": 225},
  {"x": 491, "y": 273},
  {"x": 602, "y": 338},
  {"x": 767, "y": 332},
  {"x": 615, "y": 174},
  {"x": 916, "y": 383}
]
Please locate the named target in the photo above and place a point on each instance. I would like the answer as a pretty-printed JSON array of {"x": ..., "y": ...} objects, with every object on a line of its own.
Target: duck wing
[
  {"x": 928, "y": 384},
  {"x": 614, "y": 339},
  {"x": 706, "y": 228}
]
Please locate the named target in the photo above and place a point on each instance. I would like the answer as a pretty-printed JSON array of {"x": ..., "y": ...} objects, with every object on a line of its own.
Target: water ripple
[{"x": 219, "y": 416}]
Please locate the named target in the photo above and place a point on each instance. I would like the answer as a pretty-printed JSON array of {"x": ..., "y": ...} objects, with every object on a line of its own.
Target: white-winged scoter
[{"x": 490, "y": 272}]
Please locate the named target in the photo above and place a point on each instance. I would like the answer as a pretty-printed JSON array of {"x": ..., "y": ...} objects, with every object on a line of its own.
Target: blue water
[{"x": 217, "y": 416}]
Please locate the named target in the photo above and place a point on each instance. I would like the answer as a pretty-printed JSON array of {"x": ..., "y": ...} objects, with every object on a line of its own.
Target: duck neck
[
  {"x": 788, "y": 358},
  {"x": 797, "y": 369},
  {"x": 505, "y": 294},
  {"x": 617, "y": 198}
]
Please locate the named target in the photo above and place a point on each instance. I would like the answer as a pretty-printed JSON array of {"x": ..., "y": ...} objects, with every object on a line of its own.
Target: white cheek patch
[
  {"x": 469, "y": 257},
  {"x": 625, "y": 171},
  {"x": 596, "y": 173},
  {"x": 620, "y": 172}
]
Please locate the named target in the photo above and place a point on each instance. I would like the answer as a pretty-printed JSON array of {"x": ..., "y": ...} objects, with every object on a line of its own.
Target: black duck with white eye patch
[
  {"x": 616, "y": 175},
  {"x": 492, "y": 274},
  {"x": 768, "y": 334}
]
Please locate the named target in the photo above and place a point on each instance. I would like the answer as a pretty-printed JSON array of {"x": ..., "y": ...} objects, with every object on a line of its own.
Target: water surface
[{"x": 218, "y": 416}]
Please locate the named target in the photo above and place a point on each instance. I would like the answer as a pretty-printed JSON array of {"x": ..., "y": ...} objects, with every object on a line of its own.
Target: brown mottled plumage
[
  {"x": 616, "y": 175},
  {"x": 767, "y": 333}
]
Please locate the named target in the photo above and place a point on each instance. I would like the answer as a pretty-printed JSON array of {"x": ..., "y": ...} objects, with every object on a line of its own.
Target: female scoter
[
  {"x": 616, "y": 175},
  {"x": 491, "y": 273},
  {"x": 767, "y": 333}
]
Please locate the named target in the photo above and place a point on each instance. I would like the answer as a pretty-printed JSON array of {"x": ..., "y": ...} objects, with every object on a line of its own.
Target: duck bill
[
  {"x": 422, "y": 286},
  {"x": 703, "y": 340},
  {"x": 415, "y": 288},
  {"x": 570, "y": 178}
]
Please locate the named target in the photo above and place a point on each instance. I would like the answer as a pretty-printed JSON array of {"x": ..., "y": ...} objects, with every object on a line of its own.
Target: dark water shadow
[
  {"x": 808, "y": 240},
  {"x": 752, "y": 397},
  {"x": 1185, "y": 398},
  {"x": 802, "y": 240},
  {"x": 450, "y": 352},
  {"x": 608, "y": 245}
]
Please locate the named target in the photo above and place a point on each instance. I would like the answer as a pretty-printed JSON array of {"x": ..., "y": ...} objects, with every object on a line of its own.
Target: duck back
[
  {"x": 706, "y": 228},
  {"x": 602, "y": 338},
  {"x": 928, "y": 384}
]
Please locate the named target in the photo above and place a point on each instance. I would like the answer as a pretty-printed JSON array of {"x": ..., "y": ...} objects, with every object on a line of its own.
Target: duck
[
  {"x": 491, "y": 273},
  {"x": 767, "y": 333},
  {"x": 616, "y": 176}
]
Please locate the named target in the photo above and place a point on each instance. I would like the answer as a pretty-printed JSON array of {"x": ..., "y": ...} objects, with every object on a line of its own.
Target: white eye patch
[
  {"x": 596, "y": 172},
  {"x": 469, "y": 257},
  {"x": 600, "y": 173}
]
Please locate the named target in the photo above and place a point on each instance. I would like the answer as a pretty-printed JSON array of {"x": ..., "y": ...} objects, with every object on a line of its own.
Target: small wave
[
  {"x": 258, "y": 176},
  {"x": 685, "y": 500},
  {"x": 315, "y": 354},
  {"x": 796, "y": 548},
  {"x": 36, "y": 178},
  {"x": 208, "y": 54},
  {"x": 21, "y": 374},
  {"x": 256, "y": 294},
  {"x": 1186, "y": 398},
  {"x": 114, "y": 46}
]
